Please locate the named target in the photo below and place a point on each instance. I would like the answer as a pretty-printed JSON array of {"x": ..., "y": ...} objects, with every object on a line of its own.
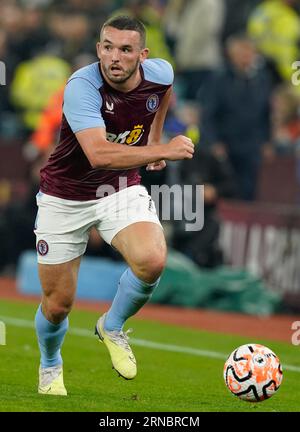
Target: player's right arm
[
  {"x": 104, "y": 154},
  {"x": 82, "y": 105}
]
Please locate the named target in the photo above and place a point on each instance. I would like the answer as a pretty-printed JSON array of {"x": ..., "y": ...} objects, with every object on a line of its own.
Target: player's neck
[{"x": 128, "y": 85}]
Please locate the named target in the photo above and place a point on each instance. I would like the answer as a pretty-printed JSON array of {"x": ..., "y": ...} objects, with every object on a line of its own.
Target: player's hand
[
  {"x": 180, "y": 148},
  {"x": 156, "y": 166}
]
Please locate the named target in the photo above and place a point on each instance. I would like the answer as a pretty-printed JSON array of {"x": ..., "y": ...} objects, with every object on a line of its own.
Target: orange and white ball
[{"x": 253, "y": 372}]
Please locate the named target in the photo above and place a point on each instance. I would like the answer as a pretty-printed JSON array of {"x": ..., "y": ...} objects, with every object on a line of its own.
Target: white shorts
[{"x": 62, "y": 226}]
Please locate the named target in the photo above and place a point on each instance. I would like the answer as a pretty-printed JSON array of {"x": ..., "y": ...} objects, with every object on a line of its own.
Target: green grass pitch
[{"x": 178, "y": 369}]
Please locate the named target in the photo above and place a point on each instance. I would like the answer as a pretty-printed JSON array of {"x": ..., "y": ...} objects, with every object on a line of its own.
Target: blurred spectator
[
  {"x": 11, "y": 22},
  {"x": 71, "y": 34},
  {"x": 89, "y": 7},
  {"x": 286, "y": 120},
  {"x": 35, "y": 34},
  {"x": 218, "y": 180},
  {"x": 96, "y": 12},
  {"x": 195, "y": 27},
  {"x": 35, "y": 81},
  {"x": 18, "y": 40},
  {"x": 274, "y": 25},
  {"x": 145, "y": 11},
  {"x": 36, "y": 3},
  {"x": 237, "y": 13},
  {"x": 44, "y": 137},
  {"x": 25, "y": 30},
  {"x": 236, "y": 112}
]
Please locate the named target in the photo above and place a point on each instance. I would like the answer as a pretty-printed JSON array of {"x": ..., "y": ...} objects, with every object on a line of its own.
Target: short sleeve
[
  {"x": 82, "y": 105},
  {"x": 158, "y": 71}
]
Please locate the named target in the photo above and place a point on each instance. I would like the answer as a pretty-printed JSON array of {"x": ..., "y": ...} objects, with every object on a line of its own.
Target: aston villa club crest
[
  {"x": 42, "y": 247},
  {"x": 152, "y": 103}
]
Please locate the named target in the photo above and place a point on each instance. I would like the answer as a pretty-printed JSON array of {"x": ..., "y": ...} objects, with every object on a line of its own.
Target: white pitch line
[{"x": 17, "y": 322}]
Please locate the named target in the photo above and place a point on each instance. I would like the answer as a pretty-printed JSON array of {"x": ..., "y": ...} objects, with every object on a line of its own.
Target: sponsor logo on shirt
[
  {"x": 109, "y": 107},
  {"x": 130, "y": 137}
]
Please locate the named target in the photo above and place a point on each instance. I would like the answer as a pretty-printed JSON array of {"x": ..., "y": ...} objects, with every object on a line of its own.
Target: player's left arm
[{"x": 157, "y": 128}]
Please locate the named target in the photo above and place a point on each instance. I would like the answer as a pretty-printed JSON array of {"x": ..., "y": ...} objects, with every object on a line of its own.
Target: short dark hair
[{"x": 127, "y": 23}]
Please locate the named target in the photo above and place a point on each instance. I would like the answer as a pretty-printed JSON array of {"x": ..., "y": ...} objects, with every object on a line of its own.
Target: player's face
[{"x": 120, "y": 53}]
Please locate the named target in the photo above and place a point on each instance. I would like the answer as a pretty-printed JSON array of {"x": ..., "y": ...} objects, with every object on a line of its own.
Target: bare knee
[
  {"x": 149, "y": 267},
  {"x": 56, "y": 310}
]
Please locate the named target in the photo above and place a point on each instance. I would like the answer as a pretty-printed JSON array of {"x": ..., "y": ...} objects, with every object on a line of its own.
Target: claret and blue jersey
[{"x": 90, "y": 102}]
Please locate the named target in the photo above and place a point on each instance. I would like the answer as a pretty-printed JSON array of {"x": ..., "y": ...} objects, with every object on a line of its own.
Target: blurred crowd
[{"x": 233, "y": 95}]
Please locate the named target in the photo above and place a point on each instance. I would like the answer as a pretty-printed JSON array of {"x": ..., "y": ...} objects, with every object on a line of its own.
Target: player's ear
[{"x": 144, "y": 54}]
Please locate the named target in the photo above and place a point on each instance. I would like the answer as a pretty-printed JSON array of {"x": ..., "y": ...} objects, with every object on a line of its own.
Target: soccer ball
[{"x": 253, "y": 372}]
